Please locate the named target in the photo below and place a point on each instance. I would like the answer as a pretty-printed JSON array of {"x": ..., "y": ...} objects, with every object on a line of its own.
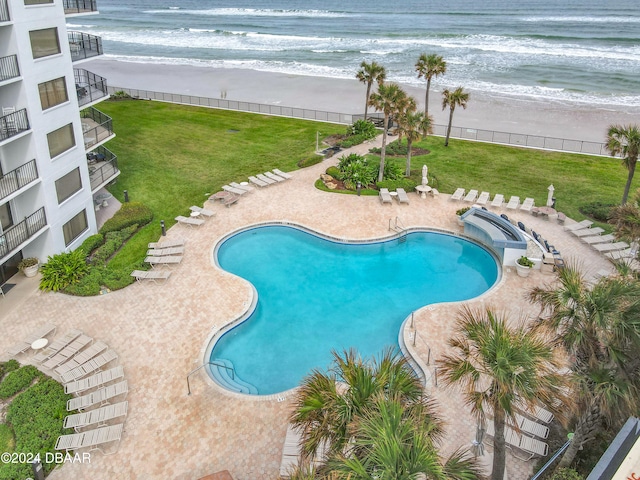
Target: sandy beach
[{"x": 499, "y": 113}]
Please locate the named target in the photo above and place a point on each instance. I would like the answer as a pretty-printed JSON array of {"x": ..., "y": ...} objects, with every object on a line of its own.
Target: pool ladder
[{"x": 397, "y": 226}]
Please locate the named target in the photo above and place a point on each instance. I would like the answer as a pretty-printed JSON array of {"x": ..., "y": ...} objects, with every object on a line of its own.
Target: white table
[
  {"x": 39, "y": 344},
  {"x": 423, "y": 190},
  {"x": 393, "y": 194},
  {"x": 195, "y": 214},
  {"x": 244, "y": 184}
]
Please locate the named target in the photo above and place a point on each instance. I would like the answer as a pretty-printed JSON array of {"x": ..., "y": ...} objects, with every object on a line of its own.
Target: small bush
[
  {"x": 352, "y": 141},
  {"x": 334, "y": 172},
  {"x": 525, "y": 262},
  {"x": 112, "y": 242},
  {"x": 11, "y": 365},
  {"x": 597, "y": 210},
  {"x": 566, "y": 474},
  {"x": 17, "y": 381},
  {"x": 129, "y": 214},
  {"x": 363, "y": 128},
  {"x": 88, "y": 285},
  {"x": 462, "y": 211},
  {"x": 309, "y": 161},
  {"x": 393, "y": 149},
  {"x": 62, "y": 270},
  {"x": 343, "y": 161},
  {"x": 392, "y": 170},
  {"x": 91, "y": 243},
  {"x": 408, "y": 184}
]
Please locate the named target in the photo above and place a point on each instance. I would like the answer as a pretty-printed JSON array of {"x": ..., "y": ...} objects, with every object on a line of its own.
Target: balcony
[
  {"x": 13, "y": 123},
  {"x": 4, "y": 11},
  {"x": 89, "y": 86},
  {"x": 96, "y": 127},
  {"x": 103, "y": 167},
  {"x": 79, "y": 6},
  {"x": 83, "y": 45},
  {"x": 14, "y": 180},
  {"x": 13, "y": 237},
  {"x": 9, "y": 68}
]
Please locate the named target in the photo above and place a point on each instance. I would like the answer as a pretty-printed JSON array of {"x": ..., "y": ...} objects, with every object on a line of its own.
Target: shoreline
[{"x": 486, "y": 112}]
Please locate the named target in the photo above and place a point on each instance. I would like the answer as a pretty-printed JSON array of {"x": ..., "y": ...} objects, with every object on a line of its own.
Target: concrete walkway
[{"x": 160, "y": 332}]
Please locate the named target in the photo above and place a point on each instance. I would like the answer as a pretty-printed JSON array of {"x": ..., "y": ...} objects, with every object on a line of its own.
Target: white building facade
[{"x": 52, "y": 158}]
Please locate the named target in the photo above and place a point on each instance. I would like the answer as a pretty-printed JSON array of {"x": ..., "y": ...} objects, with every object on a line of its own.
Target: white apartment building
[{"x": 52, "y": 158}]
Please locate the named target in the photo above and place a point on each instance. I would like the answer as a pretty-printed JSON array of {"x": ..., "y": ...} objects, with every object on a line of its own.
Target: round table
[
  {"x": 195, "y": 214},
  {"x": 244, "y": 184},
  {"x": 39, "y": 343},
  {"x": 423, "y": 190}
]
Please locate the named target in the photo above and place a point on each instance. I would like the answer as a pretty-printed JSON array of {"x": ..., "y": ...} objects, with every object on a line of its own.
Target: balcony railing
[
  {"x": 9, "y": 68},
  {"x": 89, "y": 86},
  {"x": 79, "y": 6},
  {"x": 103, "y": 167},
  {"x": 4, "y": 11},
  {"x": 13, "y": 123},
  {"x": 96, "y": 126},
  {"x": 83, "y": 45},
  {"x": 16, "y": 179},
  {"x": 21, "y": 232}
]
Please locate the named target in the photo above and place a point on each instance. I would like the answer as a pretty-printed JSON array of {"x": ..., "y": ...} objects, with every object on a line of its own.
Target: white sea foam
[
  {"x": 582, "y": 19},
  {"x": 256, "y": 12}
]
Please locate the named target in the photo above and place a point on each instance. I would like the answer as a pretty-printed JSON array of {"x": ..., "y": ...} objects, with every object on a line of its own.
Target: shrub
[
  {"x": 597, "y": 210},
  {"x": 363, "y": 128},
  {"x": 17, "y": 381},
  {"x": 28, "y": 262},
  {"x": 91, "y": 243},
  {"x": 351, "y": 158},
  {"x": 353, "y": 140},
  {"x": 112, "y": 242},
  {"x": 11, "y": 365},
  {"x": 88, "y": 285},
  {"x": 334, "y": 172},
  {"x": 392, "y": 171},
  {"x": 62, "y": 270},
  {"x": 309, "y": 161},
  {"x": 462, "y": 211},
  {"x": 407, "y": 183},
  {"x": 393, "y": 149},
  {"x": 129, "y": 214},
  {"x": 525, "y": 262},
  {"x": 566, "y": 474}
]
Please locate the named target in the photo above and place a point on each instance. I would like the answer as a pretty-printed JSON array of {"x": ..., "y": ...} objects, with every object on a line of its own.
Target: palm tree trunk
[
  {"x": 366, "y": 103},
  {"x": 627, "y": 187},
  {"x": 446, "y": 140},
  {"x": 383, "y": 148},
  {"x": 426, "y": 99},
  {"x": 499, "y": 448},
  {"x": 407, "y": 171},
  {"x": 588, "y": 424}
]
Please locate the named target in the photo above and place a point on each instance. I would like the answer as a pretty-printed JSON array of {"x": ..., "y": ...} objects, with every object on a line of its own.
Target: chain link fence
[{"x": 489, "y": 136}]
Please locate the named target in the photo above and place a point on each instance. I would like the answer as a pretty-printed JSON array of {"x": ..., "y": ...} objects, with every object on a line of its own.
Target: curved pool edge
[{"x": 413, "y": 358}]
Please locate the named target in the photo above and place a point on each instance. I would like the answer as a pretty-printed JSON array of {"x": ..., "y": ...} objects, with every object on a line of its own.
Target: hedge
[{"x": 129, "y": 214}]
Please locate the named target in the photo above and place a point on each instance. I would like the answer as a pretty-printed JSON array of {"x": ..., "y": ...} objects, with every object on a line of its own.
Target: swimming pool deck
[{"x": 160, "y": 331}]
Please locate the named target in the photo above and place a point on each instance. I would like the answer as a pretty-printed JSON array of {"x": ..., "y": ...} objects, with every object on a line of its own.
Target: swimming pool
[{"x": 316, "y": 295}]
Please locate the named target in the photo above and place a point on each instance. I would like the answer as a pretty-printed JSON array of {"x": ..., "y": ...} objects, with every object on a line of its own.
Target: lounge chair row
[
  {"x": 387, "y": 197},
  {"x": 269, "y": 178},
  {"x": 92, "y": 366},
  {"x": 605, "y": 244},
  {"x": 529, "y": 445},
  {"x": 498, "y": 200},
  {"x": 92, "y": 439},
  {"x": 54, "y": 347},
  {"x": 25, "y": 345},
  {"x": 100, "y": 396}
]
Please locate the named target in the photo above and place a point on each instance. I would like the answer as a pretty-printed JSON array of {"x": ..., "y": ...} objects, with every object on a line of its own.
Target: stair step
[{"x": 229, "y": 379}]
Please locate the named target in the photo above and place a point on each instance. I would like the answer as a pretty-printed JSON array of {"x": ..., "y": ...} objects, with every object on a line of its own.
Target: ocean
[{"x": 570, "y": 51}]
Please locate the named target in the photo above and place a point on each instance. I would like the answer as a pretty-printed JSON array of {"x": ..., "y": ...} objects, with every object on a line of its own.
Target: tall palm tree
[
  {"x": 429, "y": 66},
  {"x": 626, "y": 220},
  {"x": 625, "y": 140},
  {"x": 497, "y": 365},
  {"x": 412, "y": 124},
  {"x": 394, "y": 441},
  {"x": 389, "y": 98},
  {"x": 369, "y": 73},
  {"x": 599, "y": 324},
  {"x": 327, "y": 403},
  {"x": 452, "y": 99}
]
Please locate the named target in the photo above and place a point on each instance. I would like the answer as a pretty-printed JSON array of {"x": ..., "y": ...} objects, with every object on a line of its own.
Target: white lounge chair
[
  {"x": 266, "y": 179},
  {"x": 234, "y": 190},
  {"x": 579, "y": 225},
  {"x": 471, "y": 196},
  {"x": 248, "y": 188},
  {"x": 161, "y": 252},
  {"x": 530, "y": 446},
  {"x": 275, "y": 177},
  {"x": 258, "y": 183},
  {"x": 587, "y": 232},
  {"x": 610, "y": 247},
  {"x": 167, "y": 244},
  {"x": 282, "y": 174},
  {"x": 191, "y": 222},
  {"x": 537, "y": 412},
  {"x": 458, "y": 194},
  {"x": 483, "y": 198},
  {"x": 227, "y": 202},
  {"x": 598, "y": 239},
  {"x": 498, "y": 200},
  {"x": 25, "y": 345},
  {"x": 402, "y": 196},
  {"x": 82, "y": 357},
  {"x": 385, "y": 196},
  {"x": 202, "y": 211},
  {"x": 166, "y": 260},
  {"x": 92, "y": 366},
  {"x": 94, "y": 381},
  {"x": 91, "y": 438},
  {"x": 57, "y": 345},
  {"x": 527, "y": 204},
  {"x": 529, "y": 426},
  {"x": 622, "y": 254},
  {"x": 291, "y": 452},
  {"x": 97, "y": 417},
  {"x": 100, "y": 396},
  {"x": 514, "y": 202},
  {"x": 153, "y": 275},
  {"x": 67, "y": 352}
]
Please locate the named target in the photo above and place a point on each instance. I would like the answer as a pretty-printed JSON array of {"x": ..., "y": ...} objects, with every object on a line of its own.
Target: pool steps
[{"x": 224, "y": 377}]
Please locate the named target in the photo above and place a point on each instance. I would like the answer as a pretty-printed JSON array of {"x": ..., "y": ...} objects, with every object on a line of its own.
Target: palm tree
[
  {"x": 429, "y": 66},
  {"x": 411, "y": 124},
  {"x": 327, "y": 403},
  {"x": 369, "y": 73},
  {"x": 497, "y": 365},
  {"x": 388, "y": 100},
  {"x": 452, "y": 99},
  {"x": 395, "y": 441},
  {"x": 625, "y": 140},
  {"x": 626, "y": 220},
  {"x": 599, "y": 324}
]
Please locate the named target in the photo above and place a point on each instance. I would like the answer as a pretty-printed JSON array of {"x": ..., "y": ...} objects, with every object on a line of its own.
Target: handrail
[
  {"x": 416, "y": 334},
  {"x": 204, "y": 365},
  {"x": 551, "y": 460},
  {"x": 4, "y": 11},
  {"x": 14, "y": 180},
  {"x": 9, "y": 67}
]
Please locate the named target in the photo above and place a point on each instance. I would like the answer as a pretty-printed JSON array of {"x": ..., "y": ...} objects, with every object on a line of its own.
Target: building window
[
  {"x": 61, "y": 140},
  {"x": 68, "y": 185},
  {"x": 37, "y": 2},
  {"x": 53, "y": 93},
  {"x": 74, "y": 227},
  {"x": 44, "y": 42}
]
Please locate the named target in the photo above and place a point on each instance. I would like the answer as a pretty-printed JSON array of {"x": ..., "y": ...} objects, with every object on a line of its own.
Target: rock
[
  {"x": 326, "y": 178},
  {"x": 331, "y": 185}
]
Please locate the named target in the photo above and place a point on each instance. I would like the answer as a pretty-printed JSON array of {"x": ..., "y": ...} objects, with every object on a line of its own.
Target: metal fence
[
  {"x": 9, "y": 67},
  {"x": 488, "y": 136},
  {"x": 4, "y": 11}
]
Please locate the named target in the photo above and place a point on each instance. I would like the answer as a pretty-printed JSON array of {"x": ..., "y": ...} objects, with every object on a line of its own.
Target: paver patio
[{"x": 160, "y": 332}]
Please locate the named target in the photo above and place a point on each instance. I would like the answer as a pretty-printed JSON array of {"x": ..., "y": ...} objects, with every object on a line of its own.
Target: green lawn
[{"x": 172, "y": 155}]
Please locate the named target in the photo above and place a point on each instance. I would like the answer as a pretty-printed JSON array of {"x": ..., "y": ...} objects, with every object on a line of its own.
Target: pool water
[{"x": 317, "y": 295}]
